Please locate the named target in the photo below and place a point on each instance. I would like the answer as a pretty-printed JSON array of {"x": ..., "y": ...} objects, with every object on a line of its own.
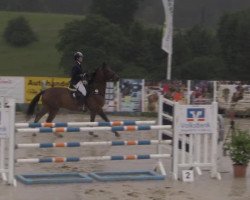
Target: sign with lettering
[
  {"x": 13, "y": 87},
  {"x": 34, "y": 85},
  {"x": 194, "y": 119}
]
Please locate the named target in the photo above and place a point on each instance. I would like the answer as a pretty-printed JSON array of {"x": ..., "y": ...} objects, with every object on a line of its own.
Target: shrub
[
  {"x": 239, "y": 147},
  {"x": 19, "y": 33}
]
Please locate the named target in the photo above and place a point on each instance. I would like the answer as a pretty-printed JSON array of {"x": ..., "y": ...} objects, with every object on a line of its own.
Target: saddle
[{"x": 75, "y": 94}]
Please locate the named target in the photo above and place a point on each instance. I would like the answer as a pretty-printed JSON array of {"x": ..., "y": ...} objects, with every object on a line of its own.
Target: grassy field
[{"x": 37, "y": 59}]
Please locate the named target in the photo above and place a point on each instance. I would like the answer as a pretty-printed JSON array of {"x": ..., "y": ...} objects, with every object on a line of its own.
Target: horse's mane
[{"x": 93, "y": 74}]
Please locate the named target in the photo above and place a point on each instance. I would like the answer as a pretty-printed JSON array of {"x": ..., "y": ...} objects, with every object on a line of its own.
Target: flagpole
[
  {"x": 169, "y": 66},
  {"x": 167, "y": 40}
]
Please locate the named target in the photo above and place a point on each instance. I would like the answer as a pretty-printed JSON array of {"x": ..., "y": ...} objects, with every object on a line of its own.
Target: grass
[{"x": 39, "y": 58}]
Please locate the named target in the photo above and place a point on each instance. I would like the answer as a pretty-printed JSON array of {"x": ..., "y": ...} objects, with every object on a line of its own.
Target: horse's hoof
[
  {"x": 34, "y": 134},
  {"x": 92, "y": 134},
  {"x": 117, "y": 134},
  {"x": 59, "y": 135}
]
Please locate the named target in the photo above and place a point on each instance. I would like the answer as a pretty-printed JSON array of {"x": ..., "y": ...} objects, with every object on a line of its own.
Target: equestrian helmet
[{"x": 77, "y": 55}]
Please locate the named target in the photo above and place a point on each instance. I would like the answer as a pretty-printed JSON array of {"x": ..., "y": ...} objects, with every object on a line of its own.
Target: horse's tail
[{"x": 31, "y": 109}]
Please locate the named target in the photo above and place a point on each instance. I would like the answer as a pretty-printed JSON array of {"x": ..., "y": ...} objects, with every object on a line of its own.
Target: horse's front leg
[
  {"x": 92, "y": 119},
  {"x": 105, "y": 118}
]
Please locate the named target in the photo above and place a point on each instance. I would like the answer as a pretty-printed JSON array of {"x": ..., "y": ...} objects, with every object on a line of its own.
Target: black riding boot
[{"x": 82, "y": 100}]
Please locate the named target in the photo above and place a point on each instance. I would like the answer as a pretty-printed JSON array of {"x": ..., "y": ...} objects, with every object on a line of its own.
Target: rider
[{"x": 78, "y": 76}]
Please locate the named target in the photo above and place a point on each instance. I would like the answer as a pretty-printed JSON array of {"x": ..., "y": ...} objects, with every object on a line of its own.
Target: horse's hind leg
[
  {"x": 92, "y": 119},
  {"x": 105, "y": 118},
  {"x": 39, "y": 115},
  {"x": 51, "y": 117}
]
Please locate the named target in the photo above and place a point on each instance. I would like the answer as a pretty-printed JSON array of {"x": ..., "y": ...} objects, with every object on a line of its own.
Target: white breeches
[{"x": 80, "y": 87}]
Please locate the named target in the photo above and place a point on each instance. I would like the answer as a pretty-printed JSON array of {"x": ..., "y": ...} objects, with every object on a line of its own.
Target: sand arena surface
[{"x": 203, "y": 188}]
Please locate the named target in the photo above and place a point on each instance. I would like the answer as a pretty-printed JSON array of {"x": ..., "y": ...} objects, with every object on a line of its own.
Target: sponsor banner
[
  {"x": 12, "y": 87},
  {"x": 192, "y": 119},
  {"x": 60, "y": 82},
  {"x": 34, "y": 85},
  {"x": 152, "y": 92},
  {"x": 131, "y": 95},
  {"x": 111, "y": 97}
]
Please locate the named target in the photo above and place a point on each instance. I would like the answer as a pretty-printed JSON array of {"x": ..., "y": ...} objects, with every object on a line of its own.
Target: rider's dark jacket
[{"x": 76, "y": 73}]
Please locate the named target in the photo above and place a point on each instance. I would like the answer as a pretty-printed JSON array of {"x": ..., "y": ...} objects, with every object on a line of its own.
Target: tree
[
  {"x": 144, "y": 52},
  {"x": 99, "y": 39},
  {"x": 117, "y": 11},
  {"x": 201, "y": 41},
  {"x": 135, "y": 53},
  {"x": 195, "y": 54},
  {"x": 234, "y": 34},
  {"x": 202, "y": 68},
  {"x": 181, "y": 53},
  {"x": 3, "y": 4},
  {"x": 19, "y": 33}
]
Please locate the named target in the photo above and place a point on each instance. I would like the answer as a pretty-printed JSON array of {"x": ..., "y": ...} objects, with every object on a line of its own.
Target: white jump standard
[{"x": 195, "y": 135}]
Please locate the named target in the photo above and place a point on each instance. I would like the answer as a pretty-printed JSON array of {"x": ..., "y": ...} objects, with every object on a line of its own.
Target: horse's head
[
  {"x": 103, "y": 74},
  {"x": 109, "y": 74}
]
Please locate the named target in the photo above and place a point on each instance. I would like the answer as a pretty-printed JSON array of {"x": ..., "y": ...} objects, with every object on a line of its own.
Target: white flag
[{"x": 167, "y": 39}]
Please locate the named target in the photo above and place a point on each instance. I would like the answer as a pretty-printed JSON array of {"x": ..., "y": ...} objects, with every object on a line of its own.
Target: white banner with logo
[
  {"x": 12, "y": 87},
  {"x": 191, "y": 119},
  {"x": 167, "y": 39}
]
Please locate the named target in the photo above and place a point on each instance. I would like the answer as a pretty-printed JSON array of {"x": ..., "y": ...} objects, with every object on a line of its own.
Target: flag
[{"x": 167, "y": 39}]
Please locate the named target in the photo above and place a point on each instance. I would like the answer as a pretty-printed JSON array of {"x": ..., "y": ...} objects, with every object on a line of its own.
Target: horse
[{"x": 58, "y": 97}]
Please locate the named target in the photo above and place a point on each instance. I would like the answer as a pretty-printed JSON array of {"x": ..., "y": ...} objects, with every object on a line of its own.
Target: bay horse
[{"x": 58, "y": 97}]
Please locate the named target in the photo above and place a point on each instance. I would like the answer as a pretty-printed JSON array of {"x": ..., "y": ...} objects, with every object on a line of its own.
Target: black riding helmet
[{"x": 77, "y": 55}]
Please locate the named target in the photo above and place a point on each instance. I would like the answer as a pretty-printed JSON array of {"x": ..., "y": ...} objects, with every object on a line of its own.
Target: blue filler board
[
  {"x": 54, "y": 178},
  {"x": 126, "y": 176}
]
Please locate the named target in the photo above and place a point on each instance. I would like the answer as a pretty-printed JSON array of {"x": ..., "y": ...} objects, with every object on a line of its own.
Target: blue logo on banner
[{"x": 195, "y": 114}]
